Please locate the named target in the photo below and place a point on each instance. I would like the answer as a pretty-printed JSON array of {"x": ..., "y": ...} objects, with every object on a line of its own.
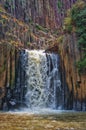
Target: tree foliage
[{"x": 76, "y": 22}]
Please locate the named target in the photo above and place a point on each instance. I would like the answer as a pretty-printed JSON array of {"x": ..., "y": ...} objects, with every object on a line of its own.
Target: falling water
[
  {"x": 42, "y": 80},
  {"x": 39, "y": 84}
]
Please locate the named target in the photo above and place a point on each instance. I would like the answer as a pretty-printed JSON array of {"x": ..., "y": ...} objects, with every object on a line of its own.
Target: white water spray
[{"x": 42, "y": 79}]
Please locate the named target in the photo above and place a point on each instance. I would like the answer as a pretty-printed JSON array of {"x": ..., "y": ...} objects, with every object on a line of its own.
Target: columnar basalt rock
[
  {"x": 75, "y": 81},
  {"x": 37, "y": 24}
]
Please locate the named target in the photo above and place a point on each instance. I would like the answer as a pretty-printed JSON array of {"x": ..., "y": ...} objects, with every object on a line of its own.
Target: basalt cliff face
[
  {"x": 37, "y": 24},
  {"x": 76, "y": 81}
]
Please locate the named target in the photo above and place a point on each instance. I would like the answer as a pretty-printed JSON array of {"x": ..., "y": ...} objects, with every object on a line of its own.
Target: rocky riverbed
[{"x": 60, "y": 121}]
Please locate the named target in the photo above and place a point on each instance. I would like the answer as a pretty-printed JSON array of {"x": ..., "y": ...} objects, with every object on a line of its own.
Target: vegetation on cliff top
[{"x": 76, "y": 22}]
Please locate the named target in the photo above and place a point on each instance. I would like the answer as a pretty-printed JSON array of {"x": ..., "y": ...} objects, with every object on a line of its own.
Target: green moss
[
  {"x": 28, "y": 44},
  {"x": 41, "y": 28},
  {"x": 59, "y": 5},
  {"x": 60, "y": 39},
  {"x": 2, "y": 21},
  {"x": 82, "y": 65},
  {"x": 1, "y": 8},
  {"x": 2, "y": 69},
  {"x": 68, "y": 24}
]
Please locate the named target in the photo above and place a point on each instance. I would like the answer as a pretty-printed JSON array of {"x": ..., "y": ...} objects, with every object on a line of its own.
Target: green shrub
[
  {"x": 82, "y": 65},
  {"x": 76, "y": 19},
  {"x": 59, "y": 5},
  {"x": 41, "y": 28}
]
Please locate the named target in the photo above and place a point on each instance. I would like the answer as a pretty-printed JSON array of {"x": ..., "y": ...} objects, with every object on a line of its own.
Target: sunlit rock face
[{"x": 70, "y": 54}]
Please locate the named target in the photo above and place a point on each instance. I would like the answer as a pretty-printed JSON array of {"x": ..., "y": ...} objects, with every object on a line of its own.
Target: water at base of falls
[{"x": 42, "y": 80}]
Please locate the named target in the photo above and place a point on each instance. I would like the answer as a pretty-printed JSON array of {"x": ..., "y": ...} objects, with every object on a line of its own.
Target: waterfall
[
  {"x": 42, "y": 79},
  {"x": 39, "y": 83}
]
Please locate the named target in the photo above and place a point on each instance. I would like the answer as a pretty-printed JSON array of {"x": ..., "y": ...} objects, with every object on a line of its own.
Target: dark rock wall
[{"x": 7, "y": 70}]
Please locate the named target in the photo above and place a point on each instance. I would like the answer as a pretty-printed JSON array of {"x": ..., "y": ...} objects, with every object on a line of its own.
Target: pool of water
[
  {"x": 43, "y": 120},
  {"x": 38, "y": 111}
]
